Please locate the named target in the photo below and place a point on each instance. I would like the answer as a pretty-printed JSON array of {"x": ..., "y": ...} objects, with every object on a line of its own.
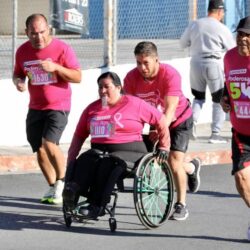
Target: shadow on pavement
[
  {"x": 42, "y": 217},
  {"x": 218, "y": 194}
]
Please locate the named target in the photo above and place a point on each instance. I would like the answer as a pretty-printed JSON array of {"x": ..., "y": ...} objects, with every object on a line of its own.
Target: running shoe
[
  {"x": 180, "y": 212},
  {"x": 194, "y": 179},
  {"x": 57, "y": 197},
  {"x": 48, "y": 195},
  {"x": 216, "y": 138}
]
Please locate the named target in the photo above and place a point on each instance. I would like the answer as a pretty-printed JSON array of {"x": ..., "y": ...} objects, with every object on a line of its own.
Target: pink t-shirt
[
  {"x": 237, "y": 74},
  {"x": 166, "y": 83},
  {"x": 122, "y": 123},
  {"x": 47, "y": 90}
]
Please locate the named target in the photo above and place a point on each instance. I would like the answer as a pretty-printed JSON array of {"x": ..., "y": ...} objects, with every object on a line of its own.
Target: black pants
[{"x": 97, "y": 173}]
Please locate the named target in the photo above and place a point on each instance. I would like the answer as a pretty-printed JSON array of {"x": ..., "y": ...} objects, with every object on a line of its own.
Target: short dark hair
[
  {"x": 113, "y": 76},
  {"x": 147, "y": 48},
  {"x": 215, "y": 5},
  {"x": 32, "y": 17}
]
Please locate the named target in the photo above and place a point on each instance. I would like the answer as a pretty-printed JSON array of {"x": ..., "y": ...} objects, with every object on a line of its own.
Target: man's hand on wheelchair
[{"x": 161, "y": 155}]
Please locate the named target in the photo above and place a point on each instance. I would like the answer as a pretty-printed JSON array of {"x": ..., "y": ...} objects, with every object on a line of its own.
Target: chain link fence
[{"x": 129, "y": 21}]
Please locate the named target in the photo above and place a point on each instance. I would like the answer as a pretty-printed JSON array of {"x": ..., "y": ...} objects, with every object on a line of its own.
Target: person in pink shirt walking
[
  {"x": 48, "y": 65},
  {"x": 114, "y": 123},
  {"x": 160, "y": 85}
]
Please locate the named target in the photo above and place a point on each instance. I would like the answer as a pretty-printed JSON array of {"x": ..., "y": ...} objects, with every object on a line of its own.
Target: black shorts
[
  {"x": 48, "y": 124},
  {"x": 180, "y": 135},
  {"x": 240, "y": 151}
]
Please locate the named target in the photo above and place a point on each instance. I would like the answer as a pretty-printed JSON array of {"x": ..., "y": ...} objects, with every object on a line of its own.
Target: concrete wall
[{"x": 13, "y": 104}]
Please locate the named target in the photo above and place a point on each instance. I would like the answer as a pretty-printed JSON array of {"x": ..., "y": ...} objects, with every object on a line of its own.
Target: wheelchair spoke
[
  {"x": 163, "y": 184},
  {"x": 154, "y": 213},
  {"x": 164, "y": 197},
  {"x": 147, "y": 187},
  {"x": 159, "y": 214},
  {"x": 152, "y": 208},
  {"x": 147, "y": 199}
]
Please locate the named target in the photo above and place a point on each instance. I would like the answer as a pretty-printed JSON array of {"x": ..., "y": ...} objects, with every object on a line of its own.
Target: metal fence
[{"x": 114, "y": 27}]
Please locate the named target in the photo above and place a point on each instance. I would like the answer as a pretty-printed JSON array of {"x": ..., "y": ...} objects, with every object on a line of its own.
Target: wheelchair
[{"x": 153, "y": 193}]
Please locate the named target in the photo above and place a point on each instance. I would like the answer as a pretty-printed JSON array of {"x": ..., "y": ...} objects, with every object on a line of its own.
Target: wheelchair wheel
[
  {"x": 67, "y": 217},
  {"x": 112, "y": 224},
  {"x": 153, "y": 192}
]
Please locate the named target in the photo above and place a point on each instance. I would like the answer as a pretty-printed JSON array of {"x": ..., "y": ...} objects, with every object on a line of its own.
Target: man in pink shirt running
[
  {"x": 49, "y": 65},
  {"x": 236, "y": 102},
  {"x": 160, "y": 85}
]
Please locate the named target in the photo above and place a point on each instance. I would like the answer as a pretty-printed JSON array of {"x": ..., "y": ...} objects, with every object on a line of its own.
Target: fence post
[
  {"x": 14, "y": 33},
  {"x": 110, "y": 39},
  {"x": 192, "y": 10}
]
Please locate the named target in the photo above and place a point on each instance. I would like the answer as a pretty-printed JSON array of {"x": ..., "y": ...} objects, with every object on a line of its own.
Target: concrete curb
[
  {"x": 28, "y": 163},
  {"x": 211, "y": 158},
  {"x": 21, "y": 159}
]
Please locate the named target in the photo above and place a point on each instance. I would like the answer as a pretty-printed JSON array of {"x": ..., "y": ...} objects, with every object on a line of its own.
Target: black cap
[
  {"x": 244, "y": 25},
  {"x": 215, "y": 4}
]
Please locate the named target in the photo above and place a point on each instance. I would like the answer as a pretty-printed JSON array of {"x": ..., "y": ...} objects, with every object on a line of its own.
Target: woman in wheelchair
[{"x": 115, "y": 123}]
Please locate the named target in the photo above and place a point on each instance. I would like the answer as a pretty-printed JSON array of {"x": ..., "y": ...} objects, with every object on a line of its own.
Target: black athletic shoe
[
  {"x": 180, "y": 212},
  {"x": 194, "y": 179}
]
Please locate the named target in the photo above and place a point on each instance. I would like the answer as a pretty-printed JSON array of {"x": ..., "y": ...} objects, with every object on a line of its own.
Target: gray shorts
[
  {"x": 48, "y": 124},
  {"x": 207, "y": 72}
]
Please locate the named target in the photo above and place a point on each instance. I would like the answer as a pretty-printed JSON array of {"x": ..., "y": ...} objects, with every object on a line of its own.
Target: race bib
[
  {"x": 242, "y": 109},
  {"x": 100, "y": 129},
  {"x": 36, "y": 75}
]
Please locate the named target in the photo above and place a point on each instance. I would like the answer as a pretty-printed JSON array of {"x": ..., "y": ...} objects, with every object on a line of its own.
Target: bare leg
[
  {"x": 176, "y": 160},
  {"x": 188, "y": 167},
  {"x": 242, "y": 181},
  {"x": 56, "y": 157},
  {"x": 46, "y": 167}
]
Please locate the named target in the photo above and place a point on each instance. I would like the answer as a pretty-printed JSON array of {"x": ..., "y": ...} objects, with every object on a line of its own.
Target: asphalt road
[{"x": 218, "y": 219}]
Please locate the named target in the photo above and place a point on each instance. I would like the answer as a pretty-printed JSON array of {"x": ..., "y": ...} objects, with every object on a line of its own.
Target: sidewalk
[{"x": 21, "y": 159}]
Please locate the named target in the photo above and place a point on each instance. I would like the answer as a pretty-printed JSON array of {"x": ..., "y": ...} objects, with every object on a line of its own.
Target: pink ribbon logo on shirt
[{"x": 117, "y": 118}]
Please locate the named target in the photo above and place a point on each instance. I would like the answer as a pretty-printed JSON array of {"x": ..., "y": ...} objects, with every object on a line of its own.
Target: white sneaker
[
  {"x": 216, "y": 138},
  {"x": 48, "y": 195},
  {"x": 57, "y": 196}
]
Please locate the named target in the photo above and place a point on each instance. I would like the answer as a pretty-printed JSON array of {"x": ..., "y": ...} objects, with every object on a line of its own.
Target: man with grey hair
[{"x": 208, "y": 39}]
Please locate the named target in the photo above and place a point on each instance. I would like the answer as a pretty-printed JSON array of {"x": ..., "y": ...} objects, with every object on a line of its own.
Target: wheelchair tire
[
  {"x": 112, "y": 224},
  {"x": 67, "y": 218},
  {"x": 153, "y": 192}
]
